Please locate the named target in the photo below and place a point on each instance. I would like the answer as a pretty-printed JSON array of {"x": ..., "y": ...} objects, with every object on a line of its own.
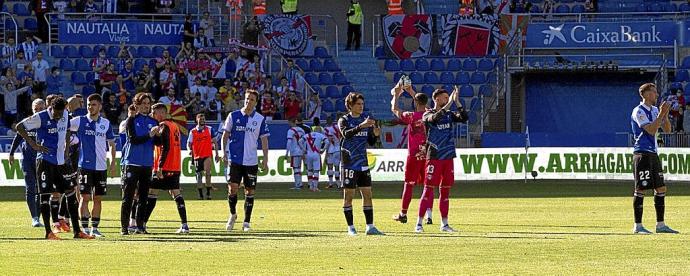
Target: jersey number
[
  {"x": 349, "y": 173},
  {"x": 83, "y": 178},
  {"x": 430, "y": 169},
  {"x": 644, "y": 175}
]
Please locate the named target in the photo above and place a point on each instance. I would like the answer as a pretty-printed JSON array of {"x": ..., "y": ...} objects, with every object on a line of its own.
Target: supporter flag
[
  {"x": 178, "y": 115},
  {"x": 509, "y": 26},
  {"x": 408, "y": 36},
  {"x": 289, "y": 34},
  {"x": 475, "y": 35},
  {"x": 394, "y": 137}
]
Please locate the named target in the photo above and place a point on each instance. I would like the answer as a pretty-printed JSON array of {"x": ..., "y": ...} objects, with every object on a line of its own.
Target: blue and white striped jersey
[
  {"x": 245, "y": 131},
  {"x": 50, "y": 133},
  {"x": 642, "y": 116},
  {"x": 94, "y": 137}
]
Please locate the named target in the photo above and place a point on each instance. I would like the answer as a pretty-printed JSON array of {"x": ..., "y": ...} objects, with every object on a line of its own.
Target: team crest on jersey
[
  {"x": 150, "y": 125},
  {"x": 254, "y": 123},
  {"x": 644, "y": 183},
  {"x": 129, "y": 174},
  {"x": 43, "y": 184},
  {"x": 347, "y": 181},
  {"x": 48, "y": 123},
  {"x": 102, "y": 127}
]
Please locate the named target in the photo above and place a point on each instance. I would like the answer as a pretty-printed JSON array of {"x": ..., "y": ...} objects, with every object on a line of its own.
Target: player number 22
[{"x": 644, "y": 175}]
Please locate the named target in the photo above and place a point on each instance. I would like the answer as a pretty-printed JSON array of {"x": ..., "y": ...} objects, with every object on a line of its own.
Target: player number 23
[{"x": 644, "y": 175}]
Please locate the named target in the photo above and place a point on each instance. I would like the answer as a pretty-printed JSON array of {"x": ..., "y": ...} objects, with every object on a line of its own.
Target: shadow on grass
[
  {"x": 535, "y": 226},
  {"x": 568, "y": 233}
]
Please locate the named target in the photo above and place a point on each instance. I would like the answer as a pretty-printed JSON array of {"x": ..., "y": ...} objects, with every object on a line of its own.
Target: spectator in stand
[
  {"x": 10, "y": 76},
  {"x": 145, "y": 79},
  {"x": 211, "y": 92},
  {"x": 167, "y": 78},
  {"x": 60, "y": 6},
  {"x": 10, "y": 92},
  {"x": 99, "y": 65},
  {"x": 30, "y": 47},
  {"x": 41, "y": 71},
  {"x": 547, "y": 7},
  {"x": 90, "y": 7},
  {"x": 250, "y": 33},
  {"x": 201, "y": 41},
  {"x": 54, "y": 81},
  {"x": 268, "y": 106},
  {"x": 208, "y": 24},
  {"x": 466, "y": 7},
  {"x": 112, "y": 110},
  {"x": 354, "y": 25},
  {"x": 215, "y": 108},
  {"x": 226, "y": 91},
  {"x": 75, "y": 6},
  {"x": 198, "y": 106},
  {"x": 165, "y": 59},
  {"x": 8, "y": 53},
  {"x": 198, "y": 88},
  {"x": 293, "y": 106},
  {"x": 188, "y": 29},
  {"x": 292, "y": 72},
  {"x": 26, "y": 74},
  {"x": 242, "y": 60},
  {"x": 186, "y": 51},
  {"x": 218, "y": 69},
  {"x": 123, "y": 56},
  {"x": 126, "y": 79},
  {"x": 678, "y": 113},
  {"x": 165, "y": 6},
  {"x": 314, "y": 107},
  {"x": 187, "y": 102},
  {"x": 240, "y": 78},
  {"x": 107, "y": 79},
  {"x": 20, "y": 62},
  {"x": 255, "y": 67},
  {"x": 109, "y": 6},
  {"x": 267, "y": 85},
  {"x": 289, "y": 6},
  {"x": 40, "y": 8},
  {"x": 284, "y": 88},
  {"x": 590, "y": 6},
  {"x": 686, "y": 117},
  {"x": 170, "y": 98}
]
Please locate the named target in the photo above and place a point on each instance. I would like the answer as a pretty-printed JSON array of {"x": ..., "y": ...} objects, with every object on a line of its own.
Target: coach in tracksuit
[{"x": 137, "y": 161}]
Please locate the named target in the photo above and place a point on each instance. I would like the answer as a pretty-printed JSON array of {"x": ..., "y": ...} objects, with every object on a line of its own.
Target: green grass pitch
[{"x": 507, "y": 227}]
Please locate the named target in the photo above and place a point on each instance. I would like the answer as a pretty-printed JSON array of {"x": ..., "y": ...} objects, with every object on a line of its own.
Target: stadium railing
[
  {"x": 8, "y": 31},
  {"x": 668, "y": 140},
  {"x": 606, "y": 17}
]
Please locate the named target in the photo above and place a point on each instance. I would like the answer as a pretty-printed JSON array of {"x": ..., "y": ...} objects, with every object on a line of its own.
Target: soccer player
[
  {"x": 294, "y": 151},
  {"x": 52, "y": 131},
  {"x": 358, "y": 130},
  {"x": 440, "y": 151},
  {"x": 200, "y": 142},
  {"x": 137, "y": 160},
  {"x": 415, "y": 165},
  {"x": 242, "y": 130},
  {"x": 74, "y": 109},
  {"x": 95, "y": 137},
  {"x": 332, "y": 132},
  {"x": 29, "y": 166},
  {"x": 646, "y": 119},
  {"x": 166, "y": 166},
  {"x": 314, "y": 144}
]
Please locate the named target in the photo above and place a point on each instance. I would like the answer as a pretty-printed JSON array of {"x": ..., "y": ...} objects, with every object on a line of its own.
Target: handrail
[
  {"x": 16, "y": 27},
  {"x": 607, "y": 16}
]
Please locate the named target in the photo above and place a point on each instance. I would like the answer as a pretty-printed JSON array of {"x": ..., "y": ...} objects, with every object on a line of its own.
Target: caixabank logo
[{"x": 582, "y": 35}]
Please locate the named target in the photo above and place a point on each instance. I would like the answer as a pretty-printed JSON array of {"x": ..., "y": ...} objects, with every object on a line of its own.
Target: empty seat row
[
  {"x": 338, "y": 78},
  {"x": 333, "y": 92},
  {"x": 86, "y": 51},
  {"x": 449, "y": 78},
  {"x": 316, "y": 65},
  {"x": 436, "y": 64}
]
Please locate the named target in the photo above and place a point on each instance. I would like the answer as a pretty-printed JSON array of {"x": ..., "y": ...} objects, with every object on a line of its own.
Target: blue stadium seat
[
  {"x": 71, "y": 51},
  {"x": 641, "y": 8},
  {"x": 562, "y": 9},
  {"x": 301, "y": 63},
  {"x": 5, "y": 8},
  {"x": 462, "y": 78},
  {"x": 86, "y": 51},
  {"x": 82, "y": 65},
  {"x": 66, "y": 65},
  {"x": 380, "y": 52},
  {"x": 469, "y": 65},
  {"x": 485, "y": 65},
  {"x": 437, "y": 65},
  {"x": 669, "y": 7},
  {"x": 391, "y": 65},
  {"x": 138, "y": 64},
  {"x": 430, "y": 77},
  {"x": 416, "y": 77},
  {"x": 422, "y": 65},
  {"x": 535, "y": 9},
  {"x": 315, "y": 65},
  {"x": 682, "y": 75},
  {"x": 676, "y": 85},
  {"x": 339, "y": 78},
  {"x": 475, "y": 104},
  {"x": 327, "y": 106},
  {"x": 325, "y": 79},
  {"x": 144, "y": 52},
  {"x": 158, "y": 51},
  {"x": 56, "y": 51},
  {"x": 330, "y": 65},
  {"x": 172, "y": 50},
  {"x": 454, "y": 65},
  {"x": 89, "y": 76},
  {"x": 332, "y": 92},
  {"x": 4, "y": 130},
  {"x": 492, "y": 78},
  {"x": 319, "y": 90},
  {"x": 447, "y": 78},
  {"x": 406, "y": 65},
  {"x": 78, "y": 78},
  {"x": 112, "y": 51},
  {"x": 30, "y": 24},
  {"x": 20, "y": 9},
  {"x": 397, "y": 76},
  {"x": 466, "y": 91},
  {"x": 346, "y": 90},
  {"x": 578, "y": 9},
  {"x": 685, "y": 7},
  {"x": 339, "y": 105},
  {"x": 448, "y": 88},
  {"x": 485, "y": 90},
  {"x": 88, "y": 90},
  {"x": 428, "y": 90},
  {"x": 478, "y": 78},
  {"x": 311, "y": 78},
  {"x": 321, "y": 52}
]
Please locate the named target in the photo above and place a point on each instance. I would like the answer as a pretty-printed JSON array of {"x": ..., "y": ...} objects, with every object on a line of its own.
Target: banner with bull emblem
[
  {"x": 289, "y": 34},
  {"x": 408, "y": 36},
  {"x": 473, "y": 35}
]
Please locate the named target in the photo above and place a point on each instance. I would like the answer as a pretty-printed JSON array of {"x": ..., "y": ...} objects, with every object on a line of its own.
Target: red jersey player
[{"x": 416, "y": 138}]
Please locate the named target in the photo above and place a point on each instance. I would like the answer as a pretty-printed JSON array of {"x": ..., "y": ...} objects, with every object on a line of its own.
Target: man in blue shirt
[
  {"x": 29, "y": 166},
  {"x": 137, "y": 162},
  {"x": 358, "y": 130},
  {"x": 645, "y": 120},
  {"x": 52, "y": 132},
  {"x": 241, "y": 132},
  {"x": 95, "y": 137}
]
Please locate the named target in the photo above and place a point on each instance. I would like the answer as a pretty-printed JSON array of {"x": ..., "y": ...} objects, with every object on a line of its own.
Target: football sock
[
  {"x": 208, "y": 191},
  {"x": 181, "y": 209},
  {"x": 44, "y": 201},
  {"x": 54, "y": 208},
  {"x": 248, "y": 207},
  {"x": 406, "y": 198},
  {"x": 148, "y": 210},
  {"x": 368, "y": 214},
  {"x": 348, "y": 215},
  {"x": 201, "y": 192},
  {"x": 420, "y": 220},
  {"x": 330, "y": 177},
  {"x": 63, "y": 210},
  {"x": 73, "y": 208},
  {"x": 638, "y": 200},
  {"x": 95, "y": 222},
  {"x": 232, "y": 202},
  {"x": 298, "y": 176},
  {"x": 126, "y": 209},
  {"x": 444, "y": 201},
  {"x": 85, "y": 222},
  {"x": 660, "y": 206},
  {"x": 426, "y": 201},
  {"x": 134, "y": 209}
]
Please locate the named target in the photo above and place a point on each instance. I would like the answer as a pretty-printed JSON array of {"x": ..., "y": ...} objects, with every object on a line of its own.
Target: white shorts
[
  {"x": 333, "y": 158},
  {"x": 314, "y": 162}
]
